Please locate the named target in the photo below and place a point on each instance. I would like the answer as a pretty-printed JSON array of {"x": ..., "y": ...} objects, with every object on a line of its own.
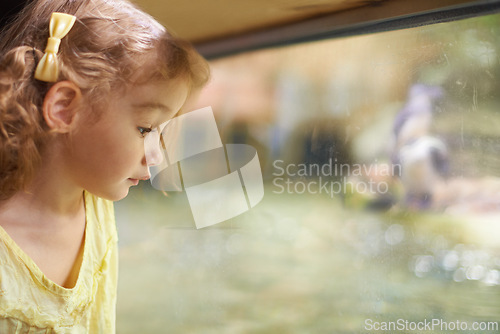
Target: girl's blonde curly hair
[{"x": 112, "y": 45}]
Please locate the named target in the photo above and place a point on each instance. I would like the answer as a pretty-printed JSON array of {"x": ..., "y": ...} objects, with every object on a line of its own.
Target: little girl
[{"x": 81, "y": 85}]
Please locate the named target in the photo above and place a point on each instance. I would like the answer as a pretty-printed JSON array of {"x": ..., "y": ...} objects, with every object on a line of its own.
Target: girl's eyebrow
[{"x": 152, "y": 106}]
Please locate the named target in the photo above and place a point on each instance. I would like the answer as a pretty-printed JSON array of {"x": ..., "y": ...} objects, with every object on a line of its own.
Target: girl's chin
[
  {"x": 122, "y": 195},
  {"x": 114, "y": 196}
]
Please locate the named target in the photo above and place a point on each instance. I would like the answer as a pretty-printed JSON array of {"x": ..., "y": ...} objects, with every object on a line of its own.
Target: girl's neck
[{"x": 51, "y": 197}]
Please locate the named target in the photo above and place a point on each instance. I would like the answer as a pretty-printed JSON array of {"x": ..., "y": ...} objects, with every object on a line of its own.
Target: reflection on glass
[{"x": 382, "y": 194}]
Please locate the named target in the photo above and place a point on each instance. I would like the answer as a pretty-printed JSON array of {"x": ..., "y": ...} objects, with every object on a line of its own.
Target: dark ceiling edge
[{"x": 325, "y": 28}]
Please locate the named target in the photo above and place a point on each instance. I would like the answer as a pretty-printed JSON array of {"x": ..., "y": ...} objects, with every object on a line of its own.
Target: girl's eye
[{"x": 144, "y": 131}]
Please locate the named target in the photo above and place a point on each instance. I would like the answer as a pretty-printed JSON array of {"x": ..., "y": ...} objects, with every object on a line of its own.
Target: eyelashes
[{"x": 144, "y": 131}]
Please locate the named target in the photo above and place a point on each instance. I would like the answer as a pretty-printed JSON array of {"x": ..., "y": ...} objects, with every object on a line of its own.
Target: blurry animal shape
[
  {"x": 418, "y": 158},
  {"x": 414, "y": 120},
  {"x": 424, "y": 164}
]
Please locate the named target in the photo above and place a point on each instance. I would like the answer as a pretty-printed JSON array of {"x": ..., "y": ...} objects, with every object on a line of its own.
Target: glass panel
[{"x": 380, "y": 162}]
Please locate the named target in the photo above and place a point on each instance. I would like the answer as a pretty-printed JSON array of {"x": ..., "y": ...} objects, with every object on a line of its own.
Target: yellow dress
[{"x": 31, "y": 303}]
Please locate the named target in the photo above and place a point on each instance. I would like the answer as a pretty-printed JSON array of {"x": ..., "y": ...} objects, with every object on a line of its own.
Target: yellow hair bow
[{"x": 48, "y": 67}]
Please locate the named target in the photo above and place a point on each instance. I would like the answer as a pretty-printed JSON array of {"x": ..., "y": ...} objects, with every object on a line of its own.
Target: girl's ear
[{"x": 60, "y": 106}]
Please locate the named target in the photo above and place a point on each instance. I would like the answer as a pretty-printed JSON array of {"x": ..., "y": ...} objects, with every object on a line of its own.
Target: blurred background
[{"x": 414, "y": 113}]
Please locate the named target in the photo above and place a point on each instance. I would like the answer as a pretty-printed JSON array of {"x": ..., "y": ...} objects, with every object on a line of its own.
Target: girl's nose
[{"x": 152, "y": 148}]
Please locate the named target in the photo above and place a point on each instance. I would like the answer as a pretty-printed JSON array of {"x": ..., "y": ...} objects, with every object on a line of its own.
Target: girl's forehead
[
  {"x": 157, "y": 88},
  {"x": 166, "y": 96}
]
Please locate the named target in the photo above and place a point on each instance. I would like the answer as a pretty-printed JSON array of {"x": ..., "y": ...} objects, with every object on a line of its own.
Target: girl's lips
[{"x": 136, "y": 181}]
